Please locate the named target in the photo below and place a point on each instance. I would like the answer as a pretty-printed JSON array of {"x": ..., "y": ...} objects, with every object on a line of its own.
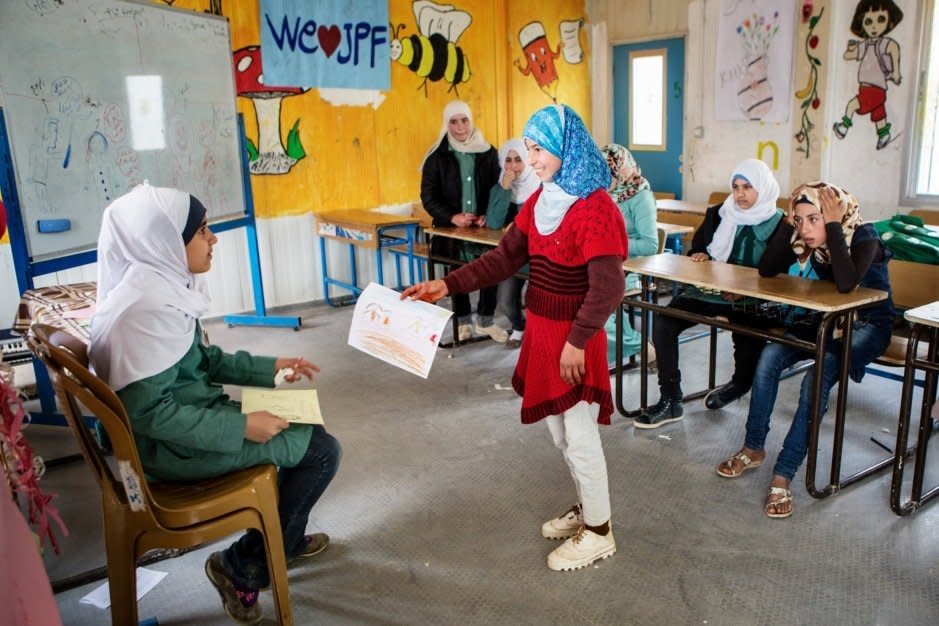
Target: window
[
  {"x": 647, "y": 99},
  {"x": 922, "y": 172}
]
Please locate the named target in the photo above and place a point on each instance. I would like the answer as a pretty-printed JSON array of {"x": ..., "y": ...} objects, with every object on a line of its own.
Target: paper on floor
[{"x": 146, "y": 580}]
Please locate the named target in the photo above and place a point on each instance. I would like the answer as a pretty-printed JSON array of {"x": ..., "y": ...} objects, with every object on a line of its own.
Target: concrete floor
[{"x": 435, "y": 512}]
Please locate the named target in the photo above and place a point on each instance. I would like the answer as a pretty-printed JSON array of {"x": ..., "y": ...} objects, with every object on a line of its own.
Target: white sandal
[
  {"x": 784, "y": 496},
  {"x": 748, "y": 464}
]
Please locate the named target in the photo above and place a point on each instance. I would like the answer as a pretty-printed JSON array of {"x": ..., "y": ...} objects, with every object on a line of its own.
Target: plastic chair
[{"x": 141, "y": 516}]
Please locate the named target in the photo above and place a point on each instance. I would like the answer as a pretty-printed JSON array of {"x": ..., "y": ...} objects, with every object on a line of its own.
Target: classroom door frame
[{"x": 662, "y": 168}]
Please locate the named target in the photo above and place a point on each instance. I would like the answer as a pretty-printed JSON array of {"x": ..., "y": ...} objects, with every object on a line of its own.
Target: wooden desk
[
  {"x": 681, "y": 206},
  {"x": 364, "y": 229},
  {"x": 816, "y": 295},
  {"x": 483, "y": 235},
  {"x": 925, "y": 324}
]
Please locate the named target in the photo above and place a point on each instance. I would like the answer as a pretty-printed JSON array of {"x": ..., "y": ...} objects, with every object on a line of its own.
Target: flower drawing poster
[{"x": 754, "y": 60}]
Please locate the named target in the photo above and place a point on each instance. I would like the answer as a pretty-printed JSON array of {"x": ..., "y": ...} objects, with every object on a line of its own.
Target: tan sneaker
[
  {"x": 496, "y": 333},
  {"x": 564, "y": 525},
  {"x": 581, "y": 550},
  {"x": 464, "y": 332}
]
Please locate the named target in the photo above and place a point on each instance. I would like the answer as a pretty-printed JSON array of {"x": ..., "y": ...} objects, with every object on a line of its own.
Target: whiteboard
[{"x": 99, "y": 95}]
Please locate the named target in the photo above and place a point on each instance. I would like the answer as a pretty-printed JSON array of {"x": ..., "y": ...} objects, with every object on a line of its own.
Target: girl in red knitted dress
[{"x": 572, "y": 235}]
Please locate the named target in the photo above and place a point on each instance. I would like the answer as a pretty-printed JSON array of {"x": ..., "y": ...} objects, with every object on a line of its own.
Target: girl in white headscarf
[
  {"x": 516, "y": 184},
  {"x": 457, "y": 175},
  {"x": 736, "y": 231},
  {"x": 147, "y": 344}
]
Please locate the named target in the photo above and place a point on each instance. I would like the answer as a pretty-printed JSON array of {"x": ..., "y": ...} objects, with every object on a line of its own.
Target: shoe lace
[{"x": 578, "y": 536}]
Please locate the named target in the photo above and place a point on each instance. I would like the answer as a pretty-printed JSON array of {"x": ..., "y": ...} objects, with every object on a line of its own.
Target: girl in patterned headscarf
[
  {"x": 573, "y": 236},
  {"x": 633, "y": 195},
  {"x": 823, "y": 220}
]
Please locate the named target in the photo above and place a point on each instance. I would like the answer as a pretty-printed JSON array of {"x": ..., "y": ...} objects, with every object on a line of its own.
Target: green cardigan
[{"x": 186, "y": 428}]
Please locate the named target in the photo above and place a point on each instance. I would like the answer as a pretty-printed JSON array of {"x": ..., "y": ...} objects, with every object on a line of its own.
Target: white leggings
[{"x": 576, "y": 434}]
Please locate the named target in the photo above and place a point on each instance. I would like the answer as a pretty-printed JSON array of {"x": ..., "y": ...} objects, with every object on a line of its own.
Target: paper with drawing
[
  {"x": 405, "y": 333},
  {"x": 294, "y": 405}
]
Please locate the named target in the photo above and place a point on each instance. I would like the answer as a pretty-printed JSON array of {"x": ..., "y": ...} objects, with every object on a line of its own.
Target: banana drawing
[{"x": 804, "y": 93}]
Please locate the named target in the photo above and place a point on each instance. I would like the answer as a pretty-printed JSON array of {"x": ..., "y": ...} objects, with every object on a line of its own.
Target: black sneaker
[
  {"x": 665, "y": 411},
  {"x": 240, "y": 604},
  {"x": 722, "y": 396}
]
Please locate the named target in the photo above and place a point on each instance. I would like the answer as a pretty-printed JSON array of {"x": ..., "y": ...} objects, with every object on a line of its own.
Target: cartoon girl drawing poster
[{"x": 878, "y": 57}]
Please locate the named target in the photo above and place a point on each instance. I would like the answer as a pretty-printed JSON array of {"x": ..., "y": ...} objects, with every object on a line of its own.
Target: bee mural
[{"x": 433, "y": 54}]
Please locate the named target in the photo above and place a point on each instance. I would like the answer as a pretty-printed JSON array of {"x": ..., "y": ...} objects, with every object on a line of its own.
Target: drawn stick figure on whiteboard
[
  {"x": 98, "y": 160},
  {"x": 39, "y": 157},
  {"x": 878, "y": 57}
]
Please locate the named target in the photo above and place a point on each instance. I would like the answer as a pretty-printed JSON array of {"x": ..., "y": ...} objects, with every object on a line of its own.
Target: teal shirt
[
  {"x": 749, "y": 245},
  {"x": 187, "y": 428},
  {"x": 639, "y": 214},
  {"x": 467, "y": 171}
]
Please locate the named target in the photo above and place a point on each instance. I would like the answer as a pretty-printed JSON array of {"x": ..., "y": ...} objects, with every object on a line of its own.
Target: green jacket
[
  {"x": 186, "y": 428},
  {"x": 909, "y": 239}
]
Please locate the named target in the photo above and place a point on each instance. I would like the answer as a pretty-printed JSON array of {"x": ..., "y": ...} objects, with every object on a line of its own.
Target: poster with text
[
  {"x": 754, "y": 60},
  {"x": 327, "y": 43}
]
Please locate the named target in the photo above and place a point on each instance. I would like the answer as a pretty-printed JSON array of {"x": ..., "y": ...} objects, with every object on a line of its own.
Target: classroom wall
[
  {"x": 712, "y": 147},
  {"x": 363, "y": 149}
]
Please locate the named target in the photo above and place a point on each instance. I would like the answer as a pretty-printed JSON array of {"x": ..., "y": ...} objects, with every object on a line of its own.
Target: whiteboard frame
[{"x": 45, "y": 261}]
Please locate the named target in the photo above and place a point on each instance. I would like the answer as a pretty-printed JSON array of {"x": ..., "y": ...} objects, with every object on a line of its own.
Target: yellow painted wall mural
[{"x": 360, "y": 149}]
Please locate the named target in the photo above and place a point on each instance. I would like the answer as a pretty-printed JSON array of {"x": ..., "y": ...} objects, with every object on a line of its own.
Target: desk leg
[
  {"x": 618, "y": 356},
  {"x": 355, "y": 271},
  {"x": 821, "y": 340},
  {"x": 644, "y": 350},
  {"x": 838, "y": 444},
  {"x": 917, "y": 498},
  {"x": 324, "y": 261}
]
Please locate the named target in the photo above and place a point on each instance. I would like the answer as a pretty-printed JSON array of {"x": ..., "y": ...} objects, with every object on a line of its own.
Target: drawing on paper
[{"x": 402, "y": 333}]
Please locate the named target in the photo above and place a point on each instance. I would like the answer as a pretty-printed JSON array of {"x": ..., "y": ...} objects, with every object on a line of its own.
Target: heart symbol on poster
[{"x": 329, "y": 38}]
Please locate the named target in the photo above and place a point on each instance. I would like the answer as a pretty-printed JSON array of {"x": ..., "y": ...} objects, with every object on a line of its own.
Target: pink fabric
[{"x": 25, "y": 593}]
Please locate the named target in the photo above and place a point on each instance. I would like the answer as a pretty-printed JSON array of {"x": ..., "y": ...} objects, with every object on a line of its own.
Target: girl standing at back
[
  {"x": 457, "y": 175},
  {"x": 517, "y": 183},
  {"x": 574, "y": 239}
]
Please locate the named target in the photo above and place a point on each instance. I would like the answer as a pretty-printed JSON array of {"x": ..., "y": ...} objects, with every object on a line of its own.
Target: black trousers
[{"x": 666, "y": 329}]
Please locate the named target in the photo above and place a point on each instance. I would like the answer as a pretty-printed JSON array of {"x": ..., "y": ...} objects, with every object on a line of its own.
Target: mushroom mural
[{"x": 269, "y": 156}]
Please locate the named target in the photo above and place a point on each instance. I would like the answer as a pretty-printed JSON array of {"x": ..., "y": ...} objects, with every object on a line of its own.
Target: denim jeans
[
  {"x": 868, "y": 341},
  {"x": 299, "y": 488},
  {"x": 510, "y": 301}
]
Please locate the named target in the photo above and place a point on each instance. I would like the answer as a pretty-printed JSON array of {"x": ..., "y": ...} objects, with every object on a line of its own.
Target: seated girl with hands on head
[
  {"x": 147, "y": 344},
  {"x": 827, "y": 241},
  {"x": 573, "y": 238}
]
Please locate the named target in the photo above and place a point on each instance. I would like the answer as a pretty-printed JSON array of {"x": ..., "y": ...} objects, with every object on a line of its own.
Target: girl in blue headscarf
[{"x": 572, "y": 235}]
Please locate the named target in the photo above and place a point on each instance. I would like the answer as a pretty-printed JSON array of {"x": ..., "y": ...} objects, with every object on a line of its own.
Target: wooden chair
[
  {"x": 140, "y": 516},
  {"x": 929, "y": 216}
]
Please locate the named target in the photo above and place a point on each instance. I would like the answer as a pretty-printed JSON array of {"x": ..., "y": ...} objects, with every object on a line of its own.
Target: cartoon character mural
[
  {"x": 539, "y": 56},
  {"x": 878, "y": 58},
  {"x": 433, "y": 54},
  {"x": 269, "y": 156}
]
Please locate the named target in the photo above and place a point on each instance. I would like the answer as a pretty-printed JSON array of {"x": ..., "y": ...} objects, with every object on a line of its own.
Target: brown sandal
[
  {"x": 778, "y": 498},
  {"x": 728, "y": 467}
]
